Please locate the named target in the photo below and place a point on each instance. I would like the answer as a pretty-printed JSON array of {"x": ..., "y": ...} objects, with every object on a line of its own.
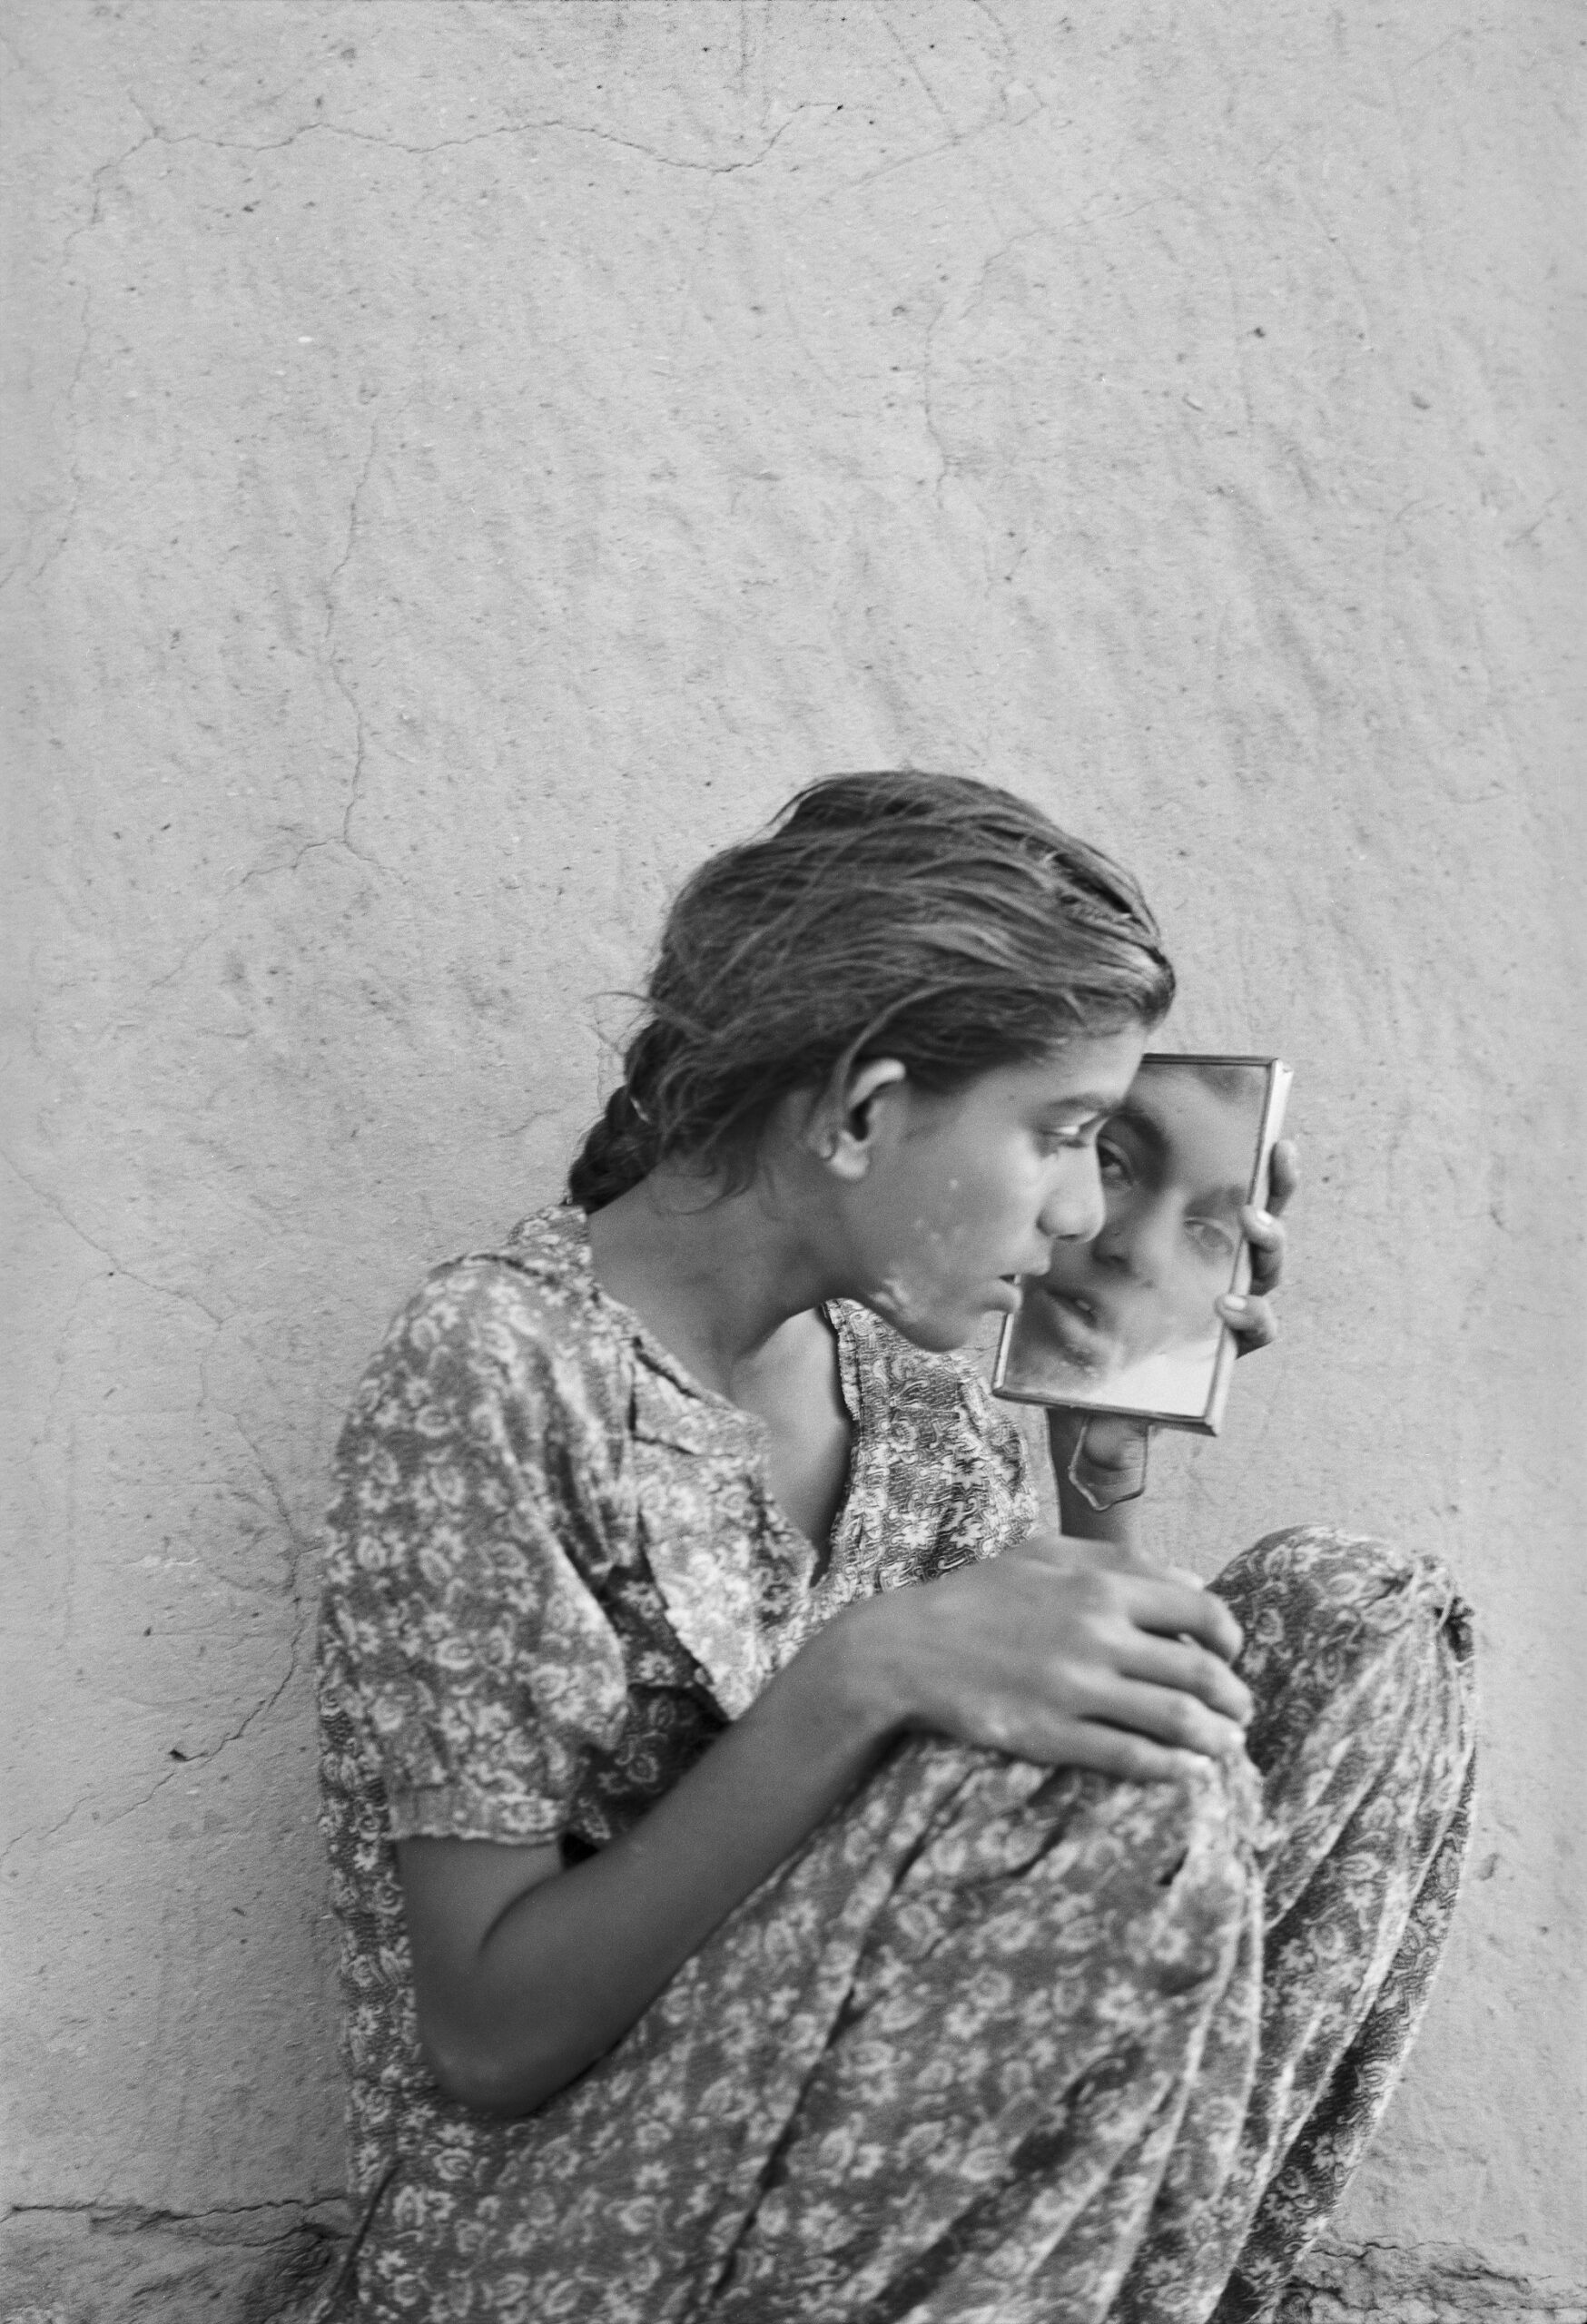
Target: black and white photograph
[{"x": 792, "y": 1153}]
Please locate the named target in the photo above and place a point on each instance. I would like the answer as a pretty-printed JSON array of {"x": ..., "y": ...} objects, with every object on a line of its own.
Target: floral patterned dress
[{"x": 998, "y": 2043}]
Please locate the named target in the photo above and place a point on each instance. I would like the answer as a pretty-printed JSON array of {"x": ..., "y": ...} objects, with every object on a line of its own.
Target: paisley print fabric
[
  {"x": 554, "y": 1573},
  {"x": 997, "y": 2045}
]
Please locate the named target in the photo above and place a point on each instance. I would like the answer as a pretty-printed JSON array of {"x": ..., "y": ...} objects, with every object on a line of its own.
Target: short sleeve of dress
[{"x": 468, "y": 1653}]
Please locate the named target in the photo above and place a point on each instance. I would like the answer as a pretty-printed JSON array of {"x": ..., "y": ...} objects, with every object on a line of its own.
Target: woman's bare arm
[{"x": 526, "y": 1974}]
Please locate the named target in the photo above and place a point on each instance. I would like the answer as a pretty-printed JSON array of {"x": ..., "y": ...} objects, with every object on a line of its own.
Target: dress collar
[
  {"x": 695, "y": 1418},
  {"x": 742, "y": 1587}
]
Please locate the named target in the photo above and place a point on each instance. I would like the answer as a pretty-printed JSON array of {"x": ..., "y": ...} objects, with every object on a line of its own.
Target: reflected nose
[
  {"x": 1139, "y": 1240},
  {"x": 1075, "y": 1209}
]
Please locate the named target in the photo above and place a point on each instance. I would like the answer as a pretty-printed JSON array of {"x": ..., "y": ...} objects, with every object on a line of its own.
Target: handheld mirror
[{"x": 1127, "y": 1324}]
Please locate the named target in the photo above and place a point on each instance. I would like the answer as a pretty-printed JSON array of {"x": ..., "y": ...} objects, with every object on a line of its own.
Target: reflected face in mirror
[{"x": 1176, "y": 1164}]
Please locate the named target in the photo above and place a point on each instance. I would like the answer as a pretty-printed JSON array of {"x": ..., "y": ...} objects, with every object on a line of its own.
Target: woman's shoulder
[
  {"x": 536, "y": 1278},
  {"x": 521, "y": 1318}
]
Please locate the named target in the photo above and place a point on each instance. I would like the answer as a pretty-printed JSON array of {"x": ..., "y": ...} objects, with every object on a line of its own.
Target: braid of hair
[{"x": 623, "y": 1146}]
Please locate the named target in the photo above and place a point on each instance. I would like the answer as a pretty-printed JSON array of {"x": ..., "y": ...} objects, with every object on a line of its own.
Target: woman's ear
[{"x": 845, "y": 1124}]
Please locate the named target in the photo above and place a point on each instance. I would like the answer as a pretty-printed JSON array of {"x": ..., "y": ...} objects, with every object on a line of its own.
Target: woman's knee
[
  {"x": 1345, "y": 1629},
  {"x": 1068, "y": 1830},
  {"x": 1309, "y": 1582},
  {"x": 1042, "y": 1878}
]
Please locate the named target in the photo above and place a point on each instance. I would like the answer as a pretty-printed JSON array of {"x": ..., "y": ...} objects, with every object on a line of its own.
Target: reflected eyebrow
[
  {"x": 1230, "y": 1198},
  {"x": 1150, "y": 1132}
]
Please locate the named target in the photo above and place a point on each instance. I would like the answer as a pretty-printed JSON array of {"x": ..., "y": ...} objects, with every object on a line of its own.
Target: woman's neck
[{"x": 712, "y": 1275}]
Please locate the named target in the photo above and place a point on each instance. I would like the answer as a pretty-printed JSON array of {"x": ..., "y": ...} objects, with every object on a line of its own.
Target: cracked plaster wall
[{"x": 468, "y": 459}]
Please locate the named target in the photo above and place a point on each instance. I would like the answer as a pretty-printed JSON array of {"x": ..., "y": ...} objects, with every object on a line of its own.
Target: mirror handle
[{"x": 1105, "y": 1486}]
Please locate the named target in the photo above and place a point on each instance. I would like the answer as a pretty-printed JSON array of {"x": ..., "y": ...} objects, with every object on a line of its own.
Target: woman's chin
[
  {"x": 939, "y": 1333},
  {"x": 937, "y": 1325}
]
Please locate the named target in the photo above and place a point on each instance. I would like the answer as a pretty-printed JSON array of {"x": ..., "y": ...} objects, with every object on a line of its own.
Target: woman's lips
[{"x": 1009, "y": 1294}]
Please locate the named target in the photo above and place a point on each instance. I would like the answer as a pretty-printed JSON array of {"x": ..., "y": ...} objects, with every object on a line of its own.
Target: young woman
[{"x": 779, "y": 1881}]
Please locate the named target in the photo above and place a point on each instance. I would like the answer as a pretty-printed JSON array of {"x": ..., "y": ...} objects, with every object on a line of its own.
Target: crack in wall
[
  {"x": 38, "y": 1835},
  {"x": 998, "y": 26},
  {"x": 98, "y": 180},
  {"x": 342, "y": 684},
  {"x": 129, "y": 2218},
  {"x": 106, "y": 171},
  {"x": 294, "y": 863},
  {"x": 910, "y": 58},
  {"x": 946, "y": 463},
  {"x": 74, "y": 467},
  {"x": 297, "y": 1544},
  {"x": 53, "y": 1204},
  {"x": 1420, "y": 2283},
  {"x": 256, "y": 2263},
  {"x": 449, "y": 145}
]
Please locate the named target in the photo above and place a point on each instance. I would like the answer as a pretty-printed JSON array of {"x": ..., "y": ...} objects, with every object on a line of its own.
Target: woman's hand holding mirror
[{"x": 1250, "y": 1317}]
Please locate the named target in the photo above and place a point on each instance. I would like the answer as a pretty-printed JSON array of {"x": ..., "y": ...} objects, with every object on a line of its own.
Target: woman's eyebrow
[{"x": 1084, "y": 1101}]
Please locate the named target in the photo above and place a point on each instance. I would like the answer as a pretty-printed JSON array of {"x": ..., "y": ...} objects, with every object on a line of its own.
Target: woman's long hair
[{"x": 921, "y": 917}]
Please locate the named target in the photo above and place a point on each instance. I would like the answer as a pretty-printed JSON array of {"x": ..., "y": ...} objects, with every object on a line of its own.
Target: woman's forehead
[{"x": 1094, "y": 1073}]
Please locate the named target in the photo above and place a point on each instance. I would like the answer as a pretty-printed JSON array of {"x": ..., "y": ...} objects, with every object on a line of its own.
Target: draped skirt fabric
[{"x": 1001, "y": 2044}]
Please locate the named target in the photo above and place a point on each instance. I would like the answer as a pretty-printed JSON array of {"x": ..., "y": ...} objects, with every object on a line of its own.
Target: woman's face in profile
[{"x": 1175, "y": 1163}]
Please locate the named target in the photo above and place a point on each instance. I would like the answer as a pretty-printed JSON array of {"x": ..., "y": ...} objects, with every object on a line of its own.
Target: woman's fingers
[
  {"x": 1283, "y": 1173},
  {"x": 1266, "y": 1237},
  {"x": 1250, "y": 1315},
  {"x": 1130, "y": 1758},
  {"x": 1028, "y": 1651},
  {"x": 1167, "y": 1715},
  {"x": 1252, "y": 1320},
  {"x": 1261, "y": 1228},
  {"x": 1168, "y": 1663},
  {"x": 1119, "y": 1586},
  {"x": 1169, "y": 1609}
]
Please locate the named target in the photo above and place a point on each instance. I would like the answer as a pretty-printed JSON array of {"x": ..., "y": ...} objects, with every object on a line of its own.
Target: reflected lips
[{"x": 1078, "y": 1327}]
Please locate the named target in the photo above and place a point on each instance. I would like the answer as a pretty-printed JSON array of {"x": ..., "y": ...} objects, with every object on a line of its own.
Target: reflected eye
[
  {"x": 1113, "y": 1165},
  {"x": 1213, "y": 1242}
]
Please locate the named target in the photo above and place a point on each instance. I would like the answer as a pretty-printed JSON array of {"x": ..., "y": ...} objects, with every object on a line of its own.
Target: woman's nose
[{"x": 1075, "y": 1207}]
